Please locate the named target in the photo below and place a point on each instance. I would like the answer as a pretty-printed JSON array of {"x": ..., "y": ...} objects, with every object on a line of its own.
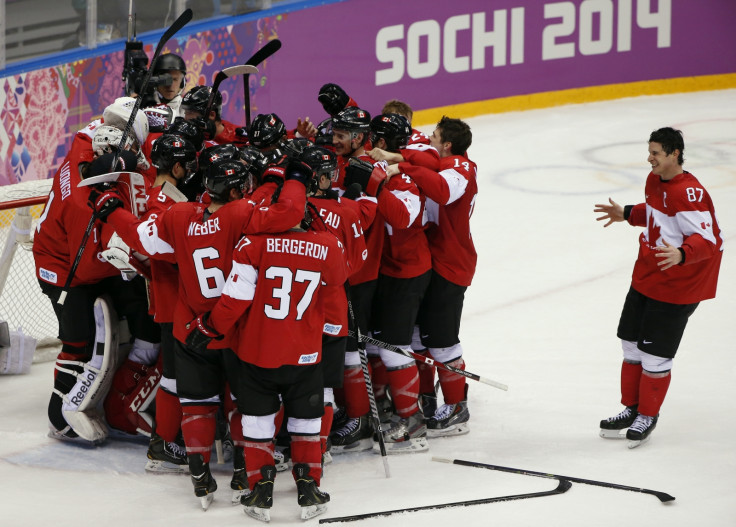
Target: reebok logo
[{"x": 646, "y": 341}]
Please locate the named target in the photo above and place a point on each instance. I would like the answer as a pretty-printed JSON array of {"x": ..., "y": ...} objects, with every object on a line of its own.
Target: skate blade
[
  {"x": 155, "y": 466},
  {"x": 310, "y": 511},
  {"x": 258, "y": 513},
  {"x": 417, "y": 444},
  {"x": 237, "y": 495},
  {"x": 613, "y": 434},
  {"x": 206, "y": 501},
  {"x": 459, "y": 429},
  {"x": 358, "y": 446},
  {"x": 634, "y": 444}
]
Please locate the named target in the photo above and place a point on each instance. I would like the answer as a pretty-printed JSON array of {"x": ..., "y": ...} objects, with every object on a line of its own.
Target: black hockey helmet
[
  {"x": 223, "y": 175},
  {"x": 256, "y": 162},
  {"x": 321, "y": 161},
  {"x": 352, "y": 119},
  {"x": 266, "y": 130},
  {"x": 170, "y": 149},
  {"x": 216, "y": 153},
  {"x": 324, "y": 133},
  {"x": 295, "y": 147},
  {"x": 393, "y": 128},
  {"x": 196, "y": 100},
  {"x": 169, "y": 62},
  {"x": 188, "y": 131}
]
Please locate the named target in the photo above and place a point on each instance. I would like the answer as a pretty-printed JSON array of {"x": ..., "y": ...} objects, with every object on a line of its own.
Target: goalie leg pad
[{"x": 134, "y": 388}]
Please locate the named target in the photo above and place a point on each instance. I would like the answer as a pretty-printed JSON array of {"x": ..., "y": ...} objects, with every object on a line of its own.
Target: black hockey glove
[
  {"x": 333, "y": 98},
  {"x": 202, "y": 333},
  {"x": 301, "y": 172},
  {"x": 353, "y": 191},
  {"x": 370, "y": 177}
]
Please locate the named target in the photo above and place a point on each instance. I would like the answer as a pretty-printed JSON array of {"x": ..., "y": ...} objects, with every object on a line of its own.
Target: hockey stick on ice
[
  {"x": 179, "y": 23},
  {"x": 429, "y": 361},
  {"x": 371, "y": 394},
  {"x": 271, "y": 47},
  {"x": 662, "y": 496},
  {"x": 562, "y": 487}
]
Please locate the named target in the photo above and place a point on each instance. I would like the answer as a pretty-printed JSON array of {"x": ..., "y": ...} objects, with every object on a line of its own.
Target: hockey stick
[
  {"x": 371, "y": 393},
  {"x": 179, "y": 23},
  {"x": 662, "y": 496},
  {"x": 429, "y": 361},
  {"x": 271, "y": 47},
  {"x": 226, "y": 74},
  {"x": 562, "y": 487}
]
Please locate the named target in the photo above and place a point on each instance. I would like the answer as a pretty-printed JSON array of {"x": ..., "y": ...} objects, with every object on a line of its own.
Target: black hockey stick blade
[
  {"x": 271, "y": 47},
  {"x": 662, "y": 496},
  {"x": 562, "y": 487},
  {"x": 179, "y": 23}
]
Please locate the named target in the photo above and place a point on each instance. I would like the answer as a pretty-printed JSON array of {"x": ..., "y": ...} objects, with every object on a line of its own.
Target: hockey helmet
[
  {"x": 266, "y": 130},
  {"x": 321, "y": 161},
  {"x": 196, "y": 100},
  {"x": 393, "y": 128},
  {"x": 352, "y": 119},
  {"x": 188, "y": 131},
  {"x": 118, "y": 114},
  {"x": 170, "y": 149},
  {"x": 223, "y": 175}
]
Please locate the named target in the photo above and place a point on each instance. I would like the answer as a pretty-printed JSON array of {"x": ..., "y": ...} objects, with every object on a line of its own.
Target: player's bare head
[
  {"x": 456, "y": 132},
  {"x": 400, "y": 107},
  {"x": 671, "y": 140}
]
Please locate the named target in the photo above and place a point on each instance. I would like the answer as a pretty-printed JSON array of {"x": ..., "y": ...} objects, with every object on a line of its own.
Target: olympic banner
[{"x": 428, "y": 53}]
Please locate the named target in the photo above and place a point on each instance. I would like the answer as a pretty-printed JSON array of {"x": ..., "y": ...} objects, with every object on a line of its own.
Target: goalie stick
[
  {"x": 271, "y": 47},
  {"x": 428, "y": 361},
  {"x": 562, "y": 486},
  {"x": 179, "y": 23},
  {"x": 661, "y": 496}
]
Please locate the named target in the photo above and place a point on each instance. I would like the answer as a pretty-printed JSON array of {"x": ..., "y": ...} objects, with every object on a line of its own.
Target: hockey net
[{"x": 22, "y": 304}]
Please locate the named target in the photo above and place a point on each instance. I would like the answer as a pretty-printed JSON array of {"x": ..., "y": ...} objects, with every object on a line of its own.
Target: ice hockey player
[
  {"x": 200, "y": 239},
  {"x": 451, "y": 193},
  {"x": 679, "y": 259},
  {"x": 279, "y": 346}
]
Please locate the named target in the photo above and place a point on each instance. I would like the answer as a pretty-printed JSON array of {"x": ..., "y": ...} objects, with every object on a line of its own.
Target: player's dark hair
[
  {"x": 671, "y": 140},
  {"x": 456, "y": 132}
]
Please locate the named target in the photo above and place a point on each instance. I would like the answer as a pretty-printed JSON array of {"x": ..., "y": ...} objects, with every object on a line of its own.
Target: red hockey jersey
[
  {"x": 277, "y": 279},
  {"x": 451, "y": 195},
  {"x": 679, "y": 211}
]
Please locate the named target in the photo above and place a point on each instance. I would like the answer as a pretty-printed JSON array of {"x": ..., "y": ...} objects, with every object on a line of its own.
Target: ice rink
[{"x": 540, "y": 316}]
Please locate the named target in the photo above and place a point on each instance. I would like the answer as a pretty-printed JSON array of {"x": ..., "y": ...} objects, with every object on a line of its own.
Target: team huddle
[{"x": 277, "y": 286}]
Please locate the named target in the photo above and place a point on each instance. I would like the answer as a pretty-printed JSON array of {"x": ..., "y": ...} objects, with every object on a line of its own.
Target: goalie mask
[
  {"x": 118, "y": 114},
  {"x": 107, "y": 139}
]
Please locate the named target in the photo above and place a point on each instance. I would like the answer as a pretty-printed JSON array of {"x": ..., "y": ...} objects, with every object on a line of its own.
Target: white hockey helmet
[{"x": 118, "y": 113}]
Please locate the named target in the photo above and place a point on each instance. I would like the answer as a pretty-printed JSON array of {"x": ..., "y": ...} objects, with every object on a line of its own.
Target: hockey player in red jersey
[
  {"x": 451, "y": 194},
  {"x": 405, "y": 271},
  {"x": 83, "y": 373},
  {"x": 340, "y": 217},
  {"x": 401, "y": 108},
  {"x": 677, "y": 267},
  {"x": 217, "y": 130},
  {"x": 273, "y": 302},
  {"x": 200, "y": 240}
]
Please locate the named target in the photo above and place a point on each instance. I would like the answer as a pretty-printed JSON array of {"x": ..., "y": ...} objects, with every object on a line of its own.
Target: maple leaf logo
[{"x": 654, "y": 233}]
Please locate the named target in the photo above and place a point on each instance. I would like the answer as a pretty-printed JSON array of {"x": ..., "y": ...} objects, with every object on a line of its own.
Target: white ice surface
[{"x": 540, "y": 316}]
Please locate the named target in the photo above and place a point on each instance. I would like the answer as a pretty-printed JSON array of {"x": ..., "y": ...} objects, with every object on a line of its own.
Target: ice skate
[
  {"x": 204, "y": 484},
  {"x": 405, "y": 434},
  {"x": 640, "y": 432},
  {"x": 385, "y": 409},
  {"x": 258, "y": 502},
  {"x": 449, "y": 420},
  {"x": 615, "y": 427},
  {"x": 356, "y": 435},
  {"x": 312, "y": 500},
  {"x": 166, "y": 457},
  {"x": 239, "y": 481}
]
